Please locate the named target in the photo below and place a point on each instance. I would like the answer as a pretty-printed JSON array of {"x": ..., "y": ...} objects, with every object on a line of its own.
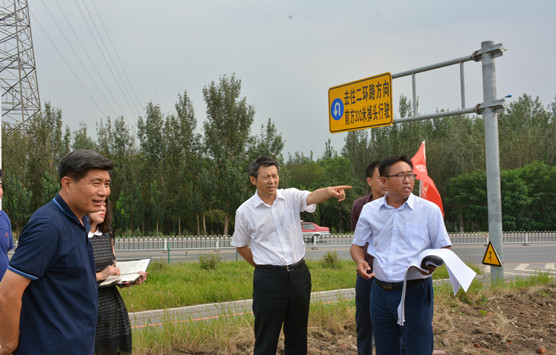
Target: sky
[{"x": 107, "y": 58}]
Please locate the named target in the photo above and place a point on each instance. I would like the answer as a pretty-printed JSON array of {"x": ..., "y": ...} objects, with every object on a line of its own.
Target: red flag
[{"x": 428, "y": 189}]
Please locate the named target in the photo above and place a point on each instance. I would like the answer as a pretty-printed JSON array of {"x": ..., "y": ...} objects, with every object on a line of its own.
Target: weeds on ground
[
  {"x": 209, "y": 261},
  {"x": 226, "y": 335},
  {"x": 330, "y": 259}
]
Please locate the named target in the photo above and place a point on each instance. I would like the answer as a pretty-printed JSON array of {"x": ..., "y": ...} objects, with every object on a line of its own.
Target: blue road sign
[{"x": 337, "y": 109}]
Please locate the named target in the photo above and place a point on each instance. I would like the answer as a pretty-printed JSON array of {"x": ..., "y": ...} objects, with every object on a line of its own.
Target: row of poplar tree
[{"x": 174, "y": 178}]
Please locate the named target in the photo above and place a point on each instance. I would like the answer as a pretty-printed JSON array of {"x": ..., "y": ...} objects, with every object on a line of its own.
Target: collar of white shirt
[
  {"x": 258, "y": 201},
  {"x": 410, "y": 202}
]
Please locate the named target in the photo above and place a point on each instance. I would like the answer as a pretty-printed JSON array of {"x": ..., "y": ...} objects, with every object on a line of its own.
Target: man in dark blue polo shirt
[
  {"x": 48, "y": 296},
  {"x": 6, "y": 239}
]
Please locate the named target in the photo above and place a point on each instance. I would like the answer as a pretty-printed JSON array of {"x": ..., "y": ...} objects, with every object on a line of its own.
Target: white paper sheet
[
  {"x": 461, "y": 275},
  {"x": 129, "y": 272}
]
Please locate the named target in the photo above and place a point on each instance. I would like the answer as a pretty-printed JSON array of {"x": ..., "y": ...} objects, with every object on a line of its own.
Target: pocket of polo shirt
[{"x": 417, "y": 235}]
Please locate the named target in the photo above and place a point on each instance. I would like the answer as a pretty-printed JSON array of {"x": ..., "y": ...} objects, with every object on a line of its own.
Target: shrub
[
  {"x": 209, "y": 261},
  {"x": 330, "y": 259}
]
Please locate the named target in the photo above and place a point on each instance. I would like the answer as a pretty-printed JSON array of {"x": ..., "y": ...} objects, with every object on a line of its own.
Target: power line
[
  {"x": 88, "y": 56},
  {"x": 109, "y": 65},
  {"x": 116, "y": 54},
  {"x": 125, "y": 91},
  {"x": 69, "y": 66},
  {"x": 80, "y": 61}
]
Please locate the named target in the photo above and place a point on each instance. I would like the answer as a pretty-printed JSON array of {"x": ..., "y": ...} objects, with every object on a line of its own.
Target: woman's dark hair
[{"x": 104, "y": 227}]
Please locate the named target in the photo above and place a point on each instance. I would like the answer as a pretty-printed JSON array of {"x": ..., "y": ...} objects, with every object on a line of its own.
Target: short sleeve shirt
[
  {"x": 59, "y": 306},
  {"x": 357, "y": 207},
  {"x": 397, "y": 235},
  {"x": 6, "y": 241},
  {"x": 274, "y": 231}
]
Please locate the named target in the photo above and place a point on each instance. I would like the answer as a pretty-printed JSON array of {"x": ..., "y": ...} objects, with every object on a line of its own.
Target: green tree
[
  {"x": 116, "y": 142},
  {"x": 16, "y": 202},
  {"x": 540, "y": 214},
  {"x": 150, "y": 131},
  {"x": 17, "y": 196},
  {"x": 466, "y": 202},
  {"x": 269, "y": 142},
  {"x": 527, "y": 198},
  {"x": 334, "y": 213},
  {"x": 527, "y": 132},
  {"x": 81, "y": 139},
  {"x": 226, "y": 130},
  {"x": 46, "y": 146},
  {"x": 180, "y": 162}
]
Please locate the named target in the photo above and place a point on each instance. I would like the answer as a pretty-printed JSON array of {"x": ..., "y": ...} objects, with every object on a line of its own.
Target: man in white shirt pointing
[{"x": 270, "y": 222}]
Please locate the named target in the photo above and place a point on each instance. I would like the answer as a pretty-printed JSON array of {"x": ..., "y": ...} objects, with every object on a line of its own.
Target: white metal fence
[
  {"x": 218, "y": 242},
  {"x": 212, "y": 242}
]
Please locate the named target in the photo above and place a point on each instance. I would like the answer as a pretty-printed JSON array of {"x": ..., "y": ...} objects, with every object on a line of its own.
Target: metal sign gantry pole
[
  {"x": 489, "y": 110},
  {"x": 490, "y": 115}
]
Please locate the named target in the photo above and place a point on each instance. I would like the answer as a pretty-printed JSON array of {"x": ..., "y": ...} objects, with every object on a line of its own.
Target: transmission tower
[{"x": 18, "y": 75}]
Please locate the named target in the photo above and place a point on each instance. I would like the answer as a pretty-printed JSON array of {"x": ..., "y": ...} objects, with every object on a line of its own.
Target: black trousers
[{"x": 281, "y": 297}]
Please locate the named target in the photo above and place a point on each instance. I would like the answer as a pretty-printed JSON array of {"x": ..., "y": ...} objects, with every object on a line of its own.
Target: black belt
[
  {"x": 394, "y": 286},
  {"x": 290, "y": 267}
]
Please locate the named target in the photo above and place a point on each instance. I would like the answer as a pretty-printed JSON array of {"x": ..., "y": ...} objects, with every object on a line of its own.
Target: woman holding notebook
[{"x": 113, "y": 334}]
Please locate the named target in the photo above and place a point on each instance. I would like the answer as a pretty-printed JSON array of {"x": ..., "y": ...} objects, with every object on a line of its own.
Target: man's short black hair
[
  {"x": 262, "y": 160},
  {"x": 386, "y": 163},
  {"x": 76, "y": 164},
  {"x": 370, "y": 169}
]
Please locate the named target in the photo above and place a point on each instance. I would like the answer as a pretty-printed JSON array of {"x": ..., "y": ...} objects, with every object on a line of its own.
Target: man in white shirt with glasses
[{"x": 398, "y": 227}]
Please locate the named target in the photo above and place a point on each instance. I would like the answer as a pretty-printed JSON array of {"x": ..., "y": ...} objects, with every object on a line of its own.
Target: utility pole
[{"x": 490, "y": 108}]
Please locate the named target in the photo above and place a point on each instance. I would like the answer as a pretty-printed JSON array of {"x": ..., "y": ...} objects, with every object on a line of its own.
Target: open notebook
[{"x": 129, "y": 272}]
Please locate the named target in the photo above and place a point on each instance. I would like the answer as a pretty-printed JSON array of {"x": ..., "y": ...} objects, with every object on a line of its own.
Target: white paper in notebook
[
  {"x": 461, "y": 275},
  {"x": 129, "y": 272}
]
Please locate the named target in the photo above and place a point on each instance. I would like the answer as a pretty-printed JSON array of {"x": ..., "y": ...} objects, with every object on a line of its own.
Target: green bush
[
  {"x": 209, "y": 261},
  {"x": 330, "y": 259}
]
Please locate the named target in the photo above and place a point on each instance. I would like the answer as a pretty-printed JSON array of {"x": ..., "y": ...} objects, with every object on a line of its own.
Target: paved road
[
  {"x": 537, "y": 256},
  {"x": 519, "y": 260}
]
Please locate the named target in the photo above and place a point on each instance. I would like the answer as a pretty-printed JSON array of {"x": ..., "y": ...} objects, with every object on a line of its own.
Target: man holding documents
[
  {"x": 48, "y": 296},
  {"x": 398, "y": 227}
]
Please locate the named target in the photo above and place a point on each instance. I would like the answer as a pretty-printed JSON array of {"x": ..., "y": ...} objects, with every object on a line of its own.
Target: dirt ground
[
  {"x": 508, "y": 321},
  {"x": 512, "y": 323}
]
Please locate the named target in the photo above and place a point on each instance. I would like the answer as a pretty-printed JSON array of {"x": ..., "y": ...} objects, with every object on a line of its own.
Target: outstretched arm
[{"x": 321, "y": 195}]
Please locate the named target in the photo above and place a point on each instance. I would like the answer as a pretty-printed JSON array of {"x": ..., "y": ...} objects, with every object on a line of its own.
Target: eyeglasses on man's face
[{"x": 402, "y": 176}]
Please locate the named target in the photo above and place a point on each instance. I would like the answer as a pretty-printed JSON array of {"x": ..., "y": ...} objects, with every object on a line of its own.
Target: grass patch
[
  {"x": 232, "y": 335},
  {"x": 212, "y": 280}
]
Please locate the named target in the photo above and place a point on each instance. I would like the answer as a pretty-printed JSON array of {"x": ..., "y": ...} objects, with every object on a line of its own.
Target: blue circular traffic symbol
[{"x": 337, "y": 109}]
